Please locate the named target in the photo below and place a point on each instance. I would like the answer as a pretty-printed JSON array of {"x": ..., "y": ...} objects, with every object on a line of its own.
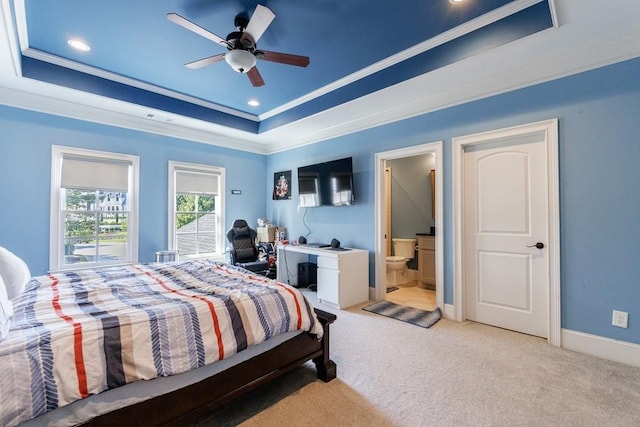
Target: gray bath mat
[{"x": 415, "y": 316}]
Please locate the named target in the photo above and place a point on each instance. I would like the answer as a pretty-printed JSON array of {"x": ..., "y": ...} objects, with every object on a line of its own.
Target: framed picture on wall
[{"x": 282, "y": 185}]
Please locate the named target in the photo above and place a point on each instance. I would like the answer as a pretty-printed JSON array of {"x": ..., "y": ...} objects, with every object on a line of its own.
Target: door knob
[{"x": 538, "y": 245}]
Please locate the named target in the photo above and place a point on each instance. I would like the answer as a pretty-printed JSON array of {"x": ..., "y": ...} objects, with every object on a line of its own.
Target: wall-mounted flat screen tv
[{"x": 326, "y": 184}]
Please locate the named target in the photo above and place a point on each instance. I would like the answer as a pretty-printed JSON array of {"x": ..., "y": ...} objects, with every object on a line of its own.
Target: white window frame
[
  {"x": 175, "y": 166},
  {"x": 56, "y": 236}
]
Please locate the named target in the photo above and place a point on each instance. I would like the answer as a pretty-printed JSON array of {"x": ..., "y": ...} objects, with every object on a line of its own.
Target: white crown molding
[
  {"x": 86, "y": 69},
  {"x": 160, "y": 124},
  {"x": 22, "y": 45},
  {"x": 440, "y": 39},
  {"x": 554, "y": 13},
  {"x": 577, "y": 45},
  {"x": 14, "y": 55},
  {"x": 542, "y": 57},
  {"x": 443, "y": 38}
]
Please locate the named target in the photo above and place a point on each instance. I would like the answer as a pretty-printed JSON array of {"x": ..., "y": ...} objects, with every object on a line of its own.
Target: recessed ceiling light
[
  {"x": 456, "y": 1},
  {"x": 253, "y": 102},
  {"x": 79, "y": 45}
]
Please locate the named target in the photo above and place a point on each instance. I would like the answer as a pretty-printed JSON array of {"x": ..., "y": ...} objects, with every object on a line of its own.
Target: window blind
[
  {"x": 95, "y": 174},
  {"x": 196, "y": 182}
]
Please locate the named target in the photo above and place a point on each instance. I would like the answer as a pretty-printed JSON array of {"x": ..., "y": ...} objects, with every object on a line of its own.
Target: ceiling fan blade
[
  {"x": 254, "y": 77},
  {"x": 283, "y": 58},
  {"x": 205, "y": 61},
  {"x": 257, "y": 25},
  {"x": 185, "y": 23}
]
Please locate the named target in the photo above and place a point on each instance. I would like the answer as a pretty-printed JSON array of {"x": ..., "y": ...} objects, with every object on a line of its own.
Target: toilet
[{"x": 404, "y": 250}]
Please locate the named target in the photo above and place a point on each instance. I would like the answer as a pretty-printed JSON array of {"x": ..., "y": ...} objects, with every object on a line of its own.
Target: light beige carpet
[{"x": 391, "y": 373}]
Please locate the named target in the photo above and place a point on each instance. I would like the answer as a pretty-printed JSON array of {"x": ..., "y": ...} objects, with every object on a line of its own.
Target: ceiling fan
[{"x": 241, "y": 44}]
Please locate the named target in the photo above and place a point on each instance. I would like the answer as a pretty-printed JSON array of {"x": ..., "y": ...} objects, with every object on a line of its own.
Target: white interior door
[{"x": 506, "y": 277}]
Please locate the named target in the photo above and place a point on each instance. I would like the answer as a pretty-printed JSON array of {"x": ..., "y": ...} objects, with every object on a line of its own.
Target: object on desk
[
  {"x": 318, "y": 245},
  {"x": 302, "y": 240},
  {"x": 271, "y": 233},
  {"x": 335, "y": 243},
  {"x": 267, "y": 234}
]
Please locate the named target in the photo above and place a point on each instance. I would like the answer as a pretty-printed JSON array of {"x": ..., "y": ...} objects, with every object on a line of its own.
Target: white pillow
[
  {"x": 6, "y": 311},
  {"x": 14, "y": 272}
]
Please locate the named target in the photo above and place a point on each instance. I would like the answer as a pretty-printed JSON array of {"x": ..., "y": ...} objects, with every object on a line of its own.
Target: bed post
[{"x": 324, "y": 365}]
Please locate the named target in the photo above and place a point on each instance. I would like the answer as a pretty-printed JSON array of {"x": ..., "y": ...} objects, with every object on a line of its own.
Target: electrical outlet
[{"x": 620, "y": 319}]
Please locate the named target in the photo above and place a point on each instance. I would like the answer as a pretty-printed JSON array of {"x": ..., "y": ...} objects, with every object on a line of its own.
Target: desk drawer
[
  {"x": 329, "y": 285},
  {"x": 328, "y": 262}
]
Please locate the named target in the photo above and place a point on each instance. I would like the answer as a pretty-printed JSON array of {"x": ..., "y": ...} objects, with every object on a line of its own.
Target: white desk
[{"x": 343, "y": 275}]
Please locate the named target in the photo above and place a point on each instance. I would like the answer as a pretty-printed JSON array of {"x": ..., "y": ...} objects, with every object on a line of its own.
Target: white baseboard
[
  {"x": 449, "y": 312},
  {"x": 606, "y": 348},
  {"x": 594, "y": 345}
]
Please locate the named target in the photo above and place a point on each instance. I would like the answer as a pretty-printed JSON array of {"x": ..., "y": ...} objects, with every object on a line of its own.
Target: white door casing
[
  {"x": 388, "y": 210},
  {"x": 379, "y": 292},
  {"x": 500, "y": 207}
]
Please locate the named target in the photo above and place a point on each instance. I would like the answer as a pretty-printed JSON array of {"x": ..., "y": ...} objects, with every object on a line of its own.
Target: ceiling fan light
[{"x": 240, "y": 60}]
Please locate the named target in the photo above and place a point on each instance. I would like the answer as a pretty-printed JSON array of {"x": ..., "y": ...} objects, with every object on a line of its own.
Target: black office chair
[{"x": 244, "y": 251}]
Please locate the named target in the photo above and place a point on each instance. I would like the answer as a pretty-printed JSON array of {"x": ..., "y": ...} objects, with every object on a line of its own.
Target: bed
[{"x": 152, "y": 344}]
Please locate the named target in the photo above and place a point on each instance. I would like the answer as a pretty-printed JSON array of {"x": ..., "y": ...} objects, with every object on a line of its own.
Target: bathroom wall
[{"x": 411, "y": 195}]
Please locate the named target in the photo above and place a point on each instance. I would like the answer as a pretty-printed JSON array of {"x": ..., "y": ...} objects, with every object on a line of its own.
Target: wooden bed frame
[{"x": 191, "y": 403}]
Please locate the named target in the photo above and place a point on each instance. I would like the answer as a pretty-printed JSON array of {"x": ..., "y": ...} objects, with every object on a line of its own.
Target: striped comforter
[{"x": 78, "y": 333}]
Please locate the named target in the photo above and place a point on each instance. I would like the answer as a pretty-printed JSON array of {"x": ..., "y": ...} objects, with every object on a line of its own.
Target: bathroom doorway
[
  {"x": 414, "y": 217},
  {"x": 410, "y": 220}
]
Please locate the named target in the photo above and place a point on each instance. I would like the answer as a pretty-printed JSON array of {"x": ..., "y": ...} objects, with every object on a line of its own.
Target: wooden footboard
[{"x": 191, "y": 403}]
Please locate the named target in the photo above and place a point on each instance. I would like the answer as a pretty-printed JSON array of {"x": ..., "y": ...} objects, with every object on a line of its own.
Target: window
[
  {"x": 94, "y": 204},
  {"x": 196, "y": 210}
]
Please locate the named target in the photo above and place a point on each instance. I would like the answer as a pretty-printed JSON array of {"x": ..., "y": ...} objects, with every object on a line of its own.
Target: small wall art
[{"x": 282, "y": 185}]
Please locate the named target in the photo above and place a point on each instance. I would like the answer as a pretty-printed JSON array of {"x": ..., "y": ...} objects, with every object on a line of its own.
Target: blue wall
[
  {"x": 599, "y": 128},
  {"x": 25, "y": 170},
  {"x": 599, "y": 180}
]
